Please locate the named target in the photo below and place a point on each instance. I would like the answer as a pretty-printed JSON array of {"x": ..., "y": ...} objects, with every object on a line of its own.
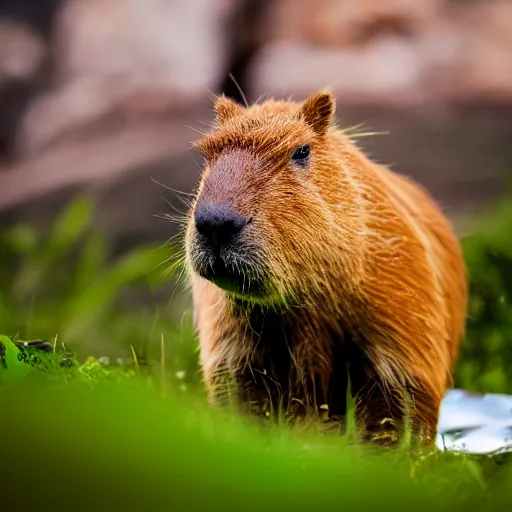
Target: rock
[
  {"x": 22, "y": 57},
  {"x": 388, "y": 70},
  {"x": 129, "y": 57},
  {"x": 21, "y": 52},
  {"x": 129, "y": 75},
  {"x": 485, "y": 63},
  {"x": 366, "y": 50},
  {"x": 335, "y": 24},
  {"x": 394, "y": 51}
]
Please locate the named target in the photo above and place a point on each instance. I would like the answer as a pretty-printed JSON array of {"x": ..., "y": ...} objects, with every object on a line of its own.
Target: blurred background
[{"x": 99, "y": 100}]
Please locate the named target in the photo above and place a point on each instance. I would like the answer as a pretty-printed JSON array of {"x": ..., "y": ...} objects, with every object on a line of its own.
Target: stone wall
[{"x": 97, "y": 94}]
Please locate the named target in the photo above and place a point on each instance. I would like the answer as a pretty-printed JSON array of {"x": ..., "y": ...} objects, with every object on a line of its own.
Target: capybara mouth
[{"x": 237, "y": 278}]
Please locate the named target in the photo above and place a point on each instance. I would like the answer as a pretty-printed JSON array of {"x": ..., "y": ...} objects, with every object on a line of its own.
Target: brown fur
[{"x": 364, "y": 275}]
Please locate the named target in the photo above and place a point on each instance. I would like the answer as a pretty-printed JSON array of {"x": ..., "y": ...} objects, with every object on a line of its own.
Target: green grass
[
  {"x": 101, "y": 417},
  {"x": 121, "y": 438}
]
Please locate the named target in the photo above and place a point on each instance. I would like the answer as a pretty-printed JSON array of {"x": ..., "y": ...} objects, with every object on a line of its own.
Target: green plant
[
  {"x": 63, "y": 285},
  {"x": 486, "y": 353},
  {"x": 110, "y": 438}
]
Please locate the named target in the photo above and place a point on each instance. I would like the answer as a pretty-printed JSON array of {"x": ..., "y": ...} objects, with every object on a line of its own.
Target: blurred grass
[
  {"x": 116, "y": 432},
  {"x": 90, "y": 435},
  {"x": 65, "y": 284},
  {"x": 486, "y": 353}
]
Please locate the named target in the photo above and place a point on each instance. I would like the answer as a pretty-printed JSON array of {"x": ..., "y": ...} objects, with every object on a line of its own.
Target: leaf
[
  {"x": 66, "y": 231},
  {"x": 102, "y": 292},
  {"x": 21, "y": 239},
  {"x": 69, "y": 227},
  {"x": 10, "y": 366},
  {"x": 91, "y": 262},
  {"x": 474, "y": 470}
]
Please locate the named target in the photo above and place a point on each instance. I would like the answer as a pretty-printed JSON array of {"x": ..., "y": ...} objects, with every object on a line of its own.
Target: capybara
[{"x": 313, "y": 268}]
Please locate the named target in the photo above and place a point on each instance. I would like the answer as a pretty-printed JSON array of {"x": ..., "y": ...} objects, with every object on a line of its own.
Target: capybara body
[{"x": 313, "y": 268}]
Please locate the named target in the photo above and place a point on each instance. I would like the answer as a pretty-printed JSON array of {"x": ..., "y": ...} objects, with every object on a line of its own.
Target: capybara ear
[
  {"x": 318, "y": 111},
  {"x": 226, "y": 108}
]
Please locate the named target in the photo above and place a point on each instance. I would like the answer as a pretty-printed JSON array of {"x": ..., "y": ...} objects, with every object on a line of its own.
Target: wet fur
[{"x": 364, "y": 275}]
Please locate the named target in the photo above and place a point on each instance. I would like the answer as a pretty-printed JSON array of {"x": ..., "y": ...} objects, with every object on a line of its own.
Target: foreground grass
[
  {"x": 137, "y": 436},
  {"x": 81, "y": 436}
]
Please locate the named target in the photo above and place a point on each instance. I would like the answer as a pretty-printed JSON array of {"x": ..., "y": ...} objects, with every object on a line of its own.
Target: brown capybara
[{"x": 313, "y": 268}]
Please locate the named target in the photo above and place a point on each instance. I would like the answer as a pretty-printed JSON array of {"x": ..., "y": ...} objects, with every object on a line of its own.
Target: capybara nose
[{"x": 219, "y": 224}]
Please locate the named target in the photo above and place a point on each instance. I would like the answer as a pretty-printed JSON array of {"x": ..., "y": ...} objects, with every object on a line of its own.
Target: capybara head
[{"x": 264, "y": 225}]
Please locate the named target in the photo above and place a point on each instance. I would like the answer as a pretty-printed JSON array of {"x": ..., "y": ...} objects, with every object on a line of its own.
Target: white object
[{"x": 475, "y": 423}]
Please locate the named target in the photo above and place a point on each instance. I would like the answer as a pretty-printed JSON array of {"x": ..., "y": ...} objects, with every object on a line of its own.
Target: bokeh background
[{"x": 100, "y": 99}]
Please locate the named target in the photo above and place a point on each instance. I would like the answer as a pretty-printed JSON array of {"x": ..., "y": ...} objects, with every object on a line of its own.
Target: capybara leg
[
  {"x": 380, "y": 415},
  {"x": 425, "y": 416},
  {"x": 244, "y": 394},
  {"x": 386, "y": 417},
  {"x": 220, "y": 387},
  {"x": 382, "y": 428}
]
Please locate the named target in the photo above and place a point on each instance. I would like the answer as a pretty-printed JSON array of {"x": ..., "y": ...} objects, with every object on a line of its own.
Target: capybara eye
[{"x": 301, "y": 154}]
